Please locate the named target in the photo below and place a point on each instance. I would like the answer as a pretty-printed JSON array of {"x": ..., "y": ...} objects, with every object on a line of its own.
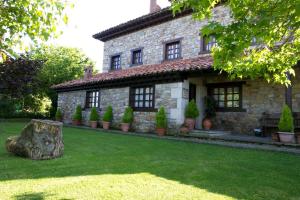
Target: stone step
[{"x": 198, "y": 132}]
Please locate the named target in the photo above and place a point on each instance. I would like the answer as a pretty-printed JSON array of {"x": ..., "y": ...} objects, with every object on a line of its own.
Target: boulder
[{"x": 39, "y": 140}]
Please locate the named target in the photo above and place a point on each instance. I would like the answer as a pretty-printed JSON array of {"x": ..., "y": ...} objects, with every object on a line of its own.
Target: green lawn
[{"x": 100, "y": 165}]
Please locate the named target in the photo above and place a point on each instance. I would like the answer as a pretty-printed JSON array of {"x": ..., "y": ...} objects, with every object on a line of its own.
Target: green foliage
[
  {"x": 108, "y": 115},
  {"x": 78, "y": 113},
  {"x": 161, "y": 118},
  {"x": 274, "y": 24},
  {"x": 94, "y": 116},
  {"x": 30, "y": 20},
  {"x": 61, "y": 64},
  {"x": 286, "y": 123},
  {"x": 191, "y": 110},
  {"x": 58, "y": 114},
  {"x": 210, "y": 107},
  {"x": 128, "y": 115}
]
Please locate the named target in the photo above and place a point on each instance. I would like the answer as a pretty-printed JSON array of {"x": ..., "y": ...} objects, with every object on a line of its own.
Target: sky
[{"x": 92, "y": 16}]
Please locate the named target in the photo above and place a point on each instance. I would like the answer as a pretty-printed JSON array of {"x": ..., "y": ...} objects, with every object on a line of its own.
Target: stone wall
[
  {"x": 152, "y": 39},
  {"x": 168, "y": 95}
]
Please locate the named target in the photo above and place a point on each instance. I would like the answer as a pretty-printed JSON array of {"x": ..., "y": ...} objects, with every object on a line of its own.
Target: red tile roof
[{"x": 182, "y": 65}]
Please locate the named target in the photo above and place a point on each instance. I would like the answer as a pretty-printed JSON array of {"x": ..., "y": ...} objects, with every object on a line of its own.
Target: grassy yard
[{"x": 100, "y": 165}]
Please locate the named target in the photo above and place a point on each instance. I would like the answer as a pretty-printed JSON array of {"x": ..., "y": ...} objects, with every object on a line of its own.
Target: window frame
[
  {"x": 111, "y": 62},
  {"x": 203, "y": 49},
  {"x": 166, "y": 43},
  {"x": 132, "y": 100},
  {"x": 226, "y": 85},
  {"x": 87, "y": 99},
  {"x": 132, "y": 56}
]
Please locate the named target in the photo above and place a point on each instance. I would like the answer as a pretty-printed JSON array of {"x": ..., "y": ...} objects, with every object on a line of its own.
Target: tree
[
  {"x": 33, "y": 20},
  {"x": 60, "y": 64},
  {"x": 273, "y": 23}
]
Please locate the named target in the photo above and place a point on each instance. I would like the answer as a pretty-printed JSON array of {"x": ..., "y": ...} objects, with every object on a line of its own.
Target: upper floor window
[
  {"x": 115, "y": 62},
  {"x": 142, "y": 98},
  {"x": 137, "y": 57},
  {"x": 209, "y": 42},
  {"x": 173, "y": 50},
  {"x": 92, "y": 99}
]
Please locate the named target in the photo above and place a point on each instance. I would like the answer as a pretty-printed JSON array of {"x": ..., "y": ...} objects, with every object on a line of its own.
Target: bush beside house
[
  {"x": 77, "y": 117},
  {"x": 191, "y": 113},
  {"x": 127, "y": 119},
  {"x": 58, "y": 115},
  {"x": 107, "y": 117},
  {"x": 286, "y": 125},
  {"x": 94, "y": 118},
  {"x": 161, "y": 121}
]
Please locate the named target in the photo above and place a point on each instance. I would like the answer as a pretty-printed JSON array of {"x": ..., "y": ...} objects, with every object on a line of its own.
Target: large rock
[{"x": 39, "y": 140}]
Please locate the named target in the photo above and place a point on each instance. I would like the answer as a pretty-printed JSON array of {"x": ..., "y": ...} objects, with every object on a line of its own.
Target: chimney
[
  {"x": 154, "y": 7},
  {"x": 88, "y": 72}
]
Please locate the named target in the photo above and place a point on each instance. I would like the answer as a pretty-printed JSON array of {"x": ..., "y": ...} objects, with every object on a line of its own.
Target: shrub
[
  {"x": 128, "y": 115},
  {"x": 108, "y": 115},
  {"x": 161, "y": 119},
  {"x": 78, "y": 113},
  {"x": 210, "y": 107},
  {"x": 191, "y": 110},
  {"x": 286, "y": 123},
  {"x": 94, "y": 116},
  {"x": 58, "y": 114}
]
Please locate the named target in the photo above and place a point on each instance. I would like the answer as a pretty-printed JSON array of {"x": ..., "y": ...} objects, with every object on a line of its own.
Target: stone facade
[{"x": 152, "y": 39}]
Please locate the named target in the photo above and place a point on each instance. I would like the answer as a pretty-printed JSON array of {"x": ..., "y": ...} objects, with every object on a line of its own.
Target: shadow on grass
[
  {"x": 238, "y": 173},
  {"x": 31, "y": 196}
]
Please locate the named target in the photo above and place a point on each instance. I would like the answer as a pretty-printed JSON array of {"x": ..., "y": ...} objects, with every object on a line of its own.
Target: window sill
[
  {"x": 135, "y": 65},
  {"x": 204, "y": 52},
  {"x": 231, "y": 110},
  {"x": 144, "y": 109}
]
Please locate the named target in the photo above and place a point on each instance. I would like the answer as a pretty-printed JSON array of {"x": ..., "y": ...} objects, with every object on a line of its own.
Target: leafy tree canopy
[
  {"x": 274, "y": 24},
  {"x": 30, "y": 20}
]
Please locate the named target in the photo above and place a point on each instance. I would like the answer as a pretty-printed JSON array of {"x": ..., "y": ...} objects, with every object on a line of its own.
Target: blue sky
[{"x": 91, "y": 16}]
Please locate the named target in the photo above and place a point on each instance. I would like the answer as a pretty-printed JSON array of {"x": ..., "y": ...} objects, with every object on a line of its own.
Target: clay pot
[
  {"x": 286, "y": 137},
  {"x": 76, "y": 122},
  {"x": 105, "y": 125},
  {"x": 160, "y": 131},
  {"x": 125, "y": 127},
  {"x": 190, "y": 123},
  {"x": 297, "y": 138},
  {"x": 207, "y": 124},
  {"x": 93, "y": 124},
  {"x": 275, "y": 137}
]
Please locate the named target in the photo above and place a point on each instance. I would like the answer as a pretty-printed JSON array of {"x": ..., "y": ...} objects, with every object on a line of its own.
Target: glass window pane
[
  {"x": 221, "y": 104},
  {"x": 136, "y": 104},
  {"x": 222, "y": 97},
  {"x": 215, "y": 97},
  {"x": 140, "y": 104},
  {"x": 221, "y": 90},
  {"x": 216, "y": 91},
  {"x": 236, "y": 89},
  {"x": 236, "y": 104},
  {"x": 229, "y": 90},
  {"x": 147, "y": 104},
  {"x": 229, "y": 104},
  {"x": 141, "y": 97},
  {"x": 229, "y": 97},
  {"x": 236, "y": 97}
]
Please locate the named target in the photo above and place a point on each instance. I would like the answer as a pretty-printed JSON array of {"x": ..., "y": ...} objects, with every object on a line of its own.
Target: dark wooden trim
[
  {"x": 288, "y": 93},
  {"x": 142, "y": 55},
  {"x": 86, "y": 107},
  {"x": 110, "y": 61},
  {"x": 232, "y": 83},
  {"x": 132, "y": 98},
  {"x": 165, "y": 43}
]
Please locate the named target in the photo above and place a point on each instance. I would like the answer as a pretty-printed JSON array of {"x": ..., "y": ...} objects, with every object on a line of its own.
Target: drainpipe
[{"x": 288, "y": 93}]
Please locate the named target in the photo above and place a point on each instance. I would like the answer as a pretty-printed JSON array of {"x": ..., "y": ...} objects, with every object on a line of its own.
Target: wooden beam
[{"x": 288, "y": 93}]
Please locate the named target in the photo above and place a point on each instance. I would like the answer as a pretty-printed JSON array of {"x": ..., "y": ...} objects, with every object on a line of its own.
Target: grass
[{"x": 100, "y": 165}]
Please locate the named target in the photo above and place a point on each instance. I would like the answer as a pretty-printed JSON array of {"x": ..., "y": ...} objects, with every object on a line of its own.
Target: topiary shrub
[
  {"x": 108, "y": 115},
  {"x": 161, "y": 118},
  {"x": 58, "y": 114},
  {"x": 94, "y": 116},
  {"x": 128, "y": 115},
  {"x": 78, "y": 113},
  {"x": 191, "y": 110},
  {"x": 286, "y": 123}
]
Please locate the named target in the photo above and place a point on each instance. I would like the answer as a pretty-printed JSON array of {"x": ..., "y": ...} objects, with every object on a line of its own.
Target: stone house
[{"x": 161, "y": 60}]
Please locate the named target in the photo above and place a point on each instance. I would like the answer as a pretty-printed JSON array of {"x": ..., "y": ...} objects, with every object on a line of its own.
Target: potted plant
[
  {"x": 210, "y": 112},
  {"x": 107, "y": 118},
  {"x": 286, "y": 126},
  {"x": 127, "y": 119},
  {"x": 58, "y": 115},
  {"x": 94, "y": 117},
  {"x": 161, "y": 121},
  {"x": 77, "y": 117},
  {"x": 191, "y": 113}
]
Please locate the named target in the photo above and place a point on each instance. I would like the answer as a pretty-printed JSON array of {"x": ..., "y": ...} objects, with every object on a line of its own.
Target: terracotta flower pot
[
  {"x": 297, "y": 138},
  {"x": 125, "y": 127},
  {"x": 207, "y": 124},
  {"x": 93, "y": 124},
  {"x": 286, "y": 137},
  {"x": 76, "y": 122},
  {"x": 275, "y": 137},
  {"x": 105, "y": 125},
  {"x": 190, "y": 123},
  {"x": 160, "y": 131}
]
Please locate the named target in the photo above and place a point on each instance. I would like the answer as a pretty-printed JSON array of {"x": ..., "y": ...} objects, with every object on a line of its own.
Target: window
[
  {"x": 137, "y": 57},
  {"x": 228, "y": 96},
  {"x": 209, "y": 42},
  {"x": 173, "y": 50},
  {"x": 92, "y": 99},
  {"x": 115, "y": 62},
  {"x": 142, "y": 98}
]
